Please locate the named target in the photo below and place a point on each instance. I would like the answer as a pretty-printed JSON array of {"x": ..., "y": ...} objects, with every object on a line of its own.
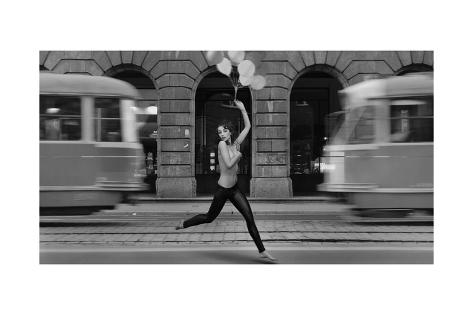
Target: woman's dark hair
[{"x": 227, "y": 124}]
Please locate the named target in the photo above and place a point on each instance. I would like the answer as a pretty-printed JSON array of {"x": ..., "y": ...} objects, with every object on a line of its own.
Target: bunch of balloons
[{"x": 244, "y": 75}]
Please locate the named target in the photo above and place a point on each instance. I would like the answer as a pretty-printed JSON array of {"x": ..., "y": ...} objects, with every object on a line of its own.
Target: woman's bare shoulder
[{"x": 222, "y": 145}]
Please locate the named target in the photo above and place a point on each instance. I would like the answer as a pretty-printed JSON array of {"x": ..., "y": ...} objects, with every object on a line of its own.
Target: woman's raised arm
[{"x": 246, "y": 120}]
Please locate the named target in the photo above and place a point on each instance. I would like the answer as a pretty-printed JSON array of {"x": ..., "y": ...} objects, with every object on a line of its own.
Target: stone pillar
[
  {"x": 175, "y": 166},
  {"x": 271, "y": 125},
  {"x": 175, "y": 73},
  {"x": 270, "y": 167}
]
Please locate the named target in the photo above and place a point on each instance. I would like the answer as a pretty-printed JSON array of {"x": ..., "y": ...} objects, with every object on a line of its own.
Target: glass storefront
[{"x": 313, "y": 98}]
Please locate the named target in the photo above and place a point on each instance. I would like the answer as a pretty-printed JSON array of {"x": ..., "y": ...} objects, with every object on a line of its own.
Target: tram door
[
  {"x": 212, "y": 107},
  {"x": 313, "y": 97}
]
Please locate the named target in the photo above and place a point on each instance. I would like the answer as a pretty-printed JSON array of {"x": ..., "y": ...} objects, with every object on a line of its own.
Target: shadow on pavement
[
  {"x": 69, "y": 211},
  {"x": 81, "y": 224},
  {"x": 237, "y": 258}
]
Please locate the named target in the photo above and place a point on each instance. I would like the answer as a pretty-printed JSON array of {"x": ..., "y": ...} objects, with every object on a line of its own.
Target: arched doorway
[
  {"x": 212, "y": 105},
  {"x": 146, "y": 116},
  {"x": 313, "y": 97}
]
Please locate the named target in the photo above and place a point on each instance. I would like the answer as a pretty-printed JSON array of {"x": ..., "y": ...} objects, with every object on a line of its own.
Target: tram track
[{"x": 348, "y": 218}]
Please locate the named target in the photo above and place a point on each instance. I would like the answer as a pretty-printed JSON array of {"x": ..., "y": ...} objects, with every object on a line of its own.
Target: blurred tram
[
  {"x": 89, "y": 150},
  {"x": 380, "y": 155}
]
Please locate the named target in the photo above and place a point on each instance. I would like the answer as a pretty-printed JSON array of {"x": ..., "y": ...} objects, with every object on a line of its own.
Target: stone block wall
[{"x": 177, "y": 74}]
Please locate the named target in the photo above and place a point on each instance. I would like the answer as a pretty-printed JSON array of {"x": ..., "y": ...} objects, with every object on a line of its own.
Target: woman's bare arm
[
  {"x": 246, "y": 120},
  {"x": 223, "y": 151}
]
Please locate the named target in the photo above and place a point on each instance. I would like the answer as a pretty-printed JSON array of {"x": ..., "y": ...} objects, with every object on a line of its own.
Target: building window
[
  {"x": 107, "y": 120},
  {"x": 412, "y": 120},
  {"x": 60, "y": 118}
]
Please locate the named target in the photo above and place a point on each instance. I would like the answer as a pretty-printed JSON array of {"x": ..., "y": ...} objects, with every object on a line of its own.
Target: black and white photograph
[
  {"x": 239, "y": 157},
  {"x": 236, "y": 157}
]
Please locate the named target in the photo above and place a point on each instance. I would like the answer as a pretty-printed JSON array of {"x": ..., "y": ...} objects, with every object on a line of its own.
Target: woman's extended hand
[{"x": 240, "y": 105}]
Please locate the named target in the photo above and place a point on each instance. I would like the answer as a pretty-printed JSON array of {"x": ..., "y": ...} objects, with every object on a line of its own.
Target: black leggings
[{"x": 239, "y": 201}]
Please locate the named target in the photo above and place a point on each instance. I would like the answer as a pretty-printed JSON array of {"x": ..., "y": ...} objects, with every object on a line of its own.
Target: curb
[{"x": 262, "y": 207}]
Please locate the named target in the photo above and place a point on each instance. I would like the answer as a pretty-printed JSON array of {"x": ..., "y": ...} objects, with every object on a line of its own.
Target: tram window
[
  {"x": 363, "y": 131},
  {"x": 59, "y": 118},
  {"x": 107, "y": 120},
  {"x": 412, "y": 121}
]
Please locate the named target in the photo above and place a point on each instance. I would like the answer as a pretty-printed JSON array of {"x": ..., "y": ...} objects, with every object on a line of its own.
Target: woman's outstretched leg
[
  {"x": 241, "y": 203},
  {"x": 216, "y": 207}
]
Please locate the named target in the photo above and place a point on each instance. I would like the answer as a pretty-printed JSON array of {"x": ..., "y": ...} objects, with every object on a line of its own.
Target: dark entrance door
[
  {"x": 146, "y": 116},
  {"x": 313, "y": 97},
  {"x": 213, "y": 105}
]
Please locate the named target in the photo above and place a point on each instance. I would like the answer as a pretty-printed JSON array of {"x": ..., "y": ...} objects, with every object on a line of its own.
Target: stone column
[
  {"x": 270, "y": 167},
  {"x": 175, "y": 74},
  {"x": 175, "y": 133}
]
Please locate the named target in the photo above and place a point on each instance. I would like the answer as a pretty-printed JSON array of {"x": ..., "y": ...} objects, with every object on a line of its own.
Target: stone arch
[
  {"x": 332, "y": 71},
  {"x": 308, "y": 57},
  {"x": 117, "y": 70},
  {"x": 414, "y": 67}
]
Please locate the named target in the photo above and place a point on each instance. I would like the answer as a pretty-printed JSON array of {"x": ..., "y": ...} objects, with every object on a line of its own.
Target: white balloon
[
  {"x": 214, "y": 57},
  {"x": 244, "y": 80},
  {"x": 225, "y": 67},
  {"x": 258, "y": 82},
  {"x": 246, "y": 68},
  {"x": 236, "y": 56}
]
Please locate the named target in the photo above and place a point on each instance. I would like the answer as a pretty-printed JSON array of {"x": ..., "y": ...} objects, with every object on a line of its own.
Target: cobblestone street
[{"x": 156, "y": 230}]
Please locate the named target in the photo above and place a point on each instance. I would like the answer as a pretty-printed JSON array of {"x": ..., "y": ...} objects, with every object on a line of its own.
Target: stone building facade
[{"x": 175, "y": 77}]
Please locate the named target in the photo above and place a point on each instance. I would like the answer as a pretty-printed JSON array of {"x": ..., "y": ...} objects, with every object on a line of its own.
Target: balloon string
[{"x": 234, "y": 83}]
